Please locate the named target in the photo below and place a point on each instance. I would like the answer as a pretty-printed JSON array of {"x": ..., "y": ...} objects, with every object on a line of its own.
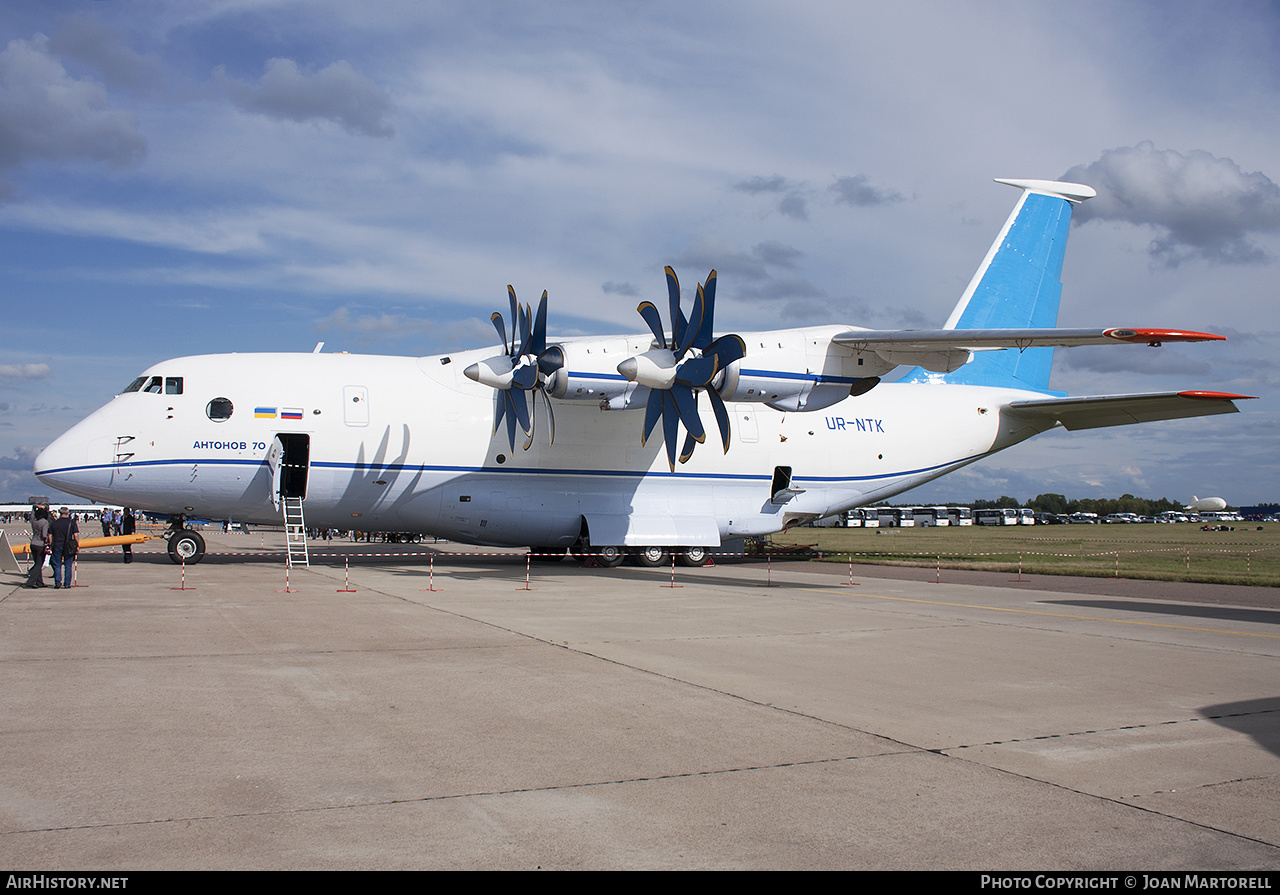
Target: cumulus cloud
[
  {"x": 23, "y": 459},
  {"x": 93, "y": 44},
  {"x": 24, "y": 371},
  {"x": 45, "y": 114},
  {"x": 857, "y": 190},
  {"x": 775, "y": 184},
  {"x": 793, "y": 203},
  {"x": 336, "y": 93},
  {"x": 750, "y": 269},
  {"x": 624, "y": 289},
  {"x": 1200, "y": 206},
  {"x": 778, "y": 254}
]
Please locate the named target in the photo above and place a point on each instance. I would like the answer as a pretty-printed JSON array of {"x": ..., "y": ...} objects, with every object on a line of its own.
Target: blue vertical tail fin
[{"x": 1018, "y": 285}]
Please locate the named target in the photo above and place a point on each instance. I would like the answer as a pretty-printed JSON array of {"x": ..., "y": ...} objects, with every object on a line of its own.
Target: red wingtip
[
  {"x": 1161, "y": 335},
  {"x": 1215, "y": 396}
]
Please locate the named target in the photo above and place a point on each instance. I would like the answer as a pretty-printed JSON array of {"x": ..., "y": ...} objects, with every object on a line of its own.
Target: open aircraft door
[
  {"x": 274, "y": 455},
  {"x": 289, "y": 459}
]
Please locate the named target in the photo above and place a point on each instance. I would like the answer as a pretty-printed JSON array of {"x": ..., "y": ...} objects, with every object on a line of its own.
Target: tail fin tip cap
[{"x": 1072, "y": 192}]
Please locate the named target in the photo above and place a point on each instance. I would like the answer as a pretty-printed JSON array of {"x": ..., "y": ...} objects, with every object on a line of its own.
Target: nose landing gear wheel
[{"x": 186, "y": 546}]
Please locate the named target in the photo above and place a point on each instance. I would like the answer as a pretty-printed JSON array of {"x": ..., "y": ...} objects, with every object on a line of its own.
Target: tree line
[{"x": 1103, "y": 506}]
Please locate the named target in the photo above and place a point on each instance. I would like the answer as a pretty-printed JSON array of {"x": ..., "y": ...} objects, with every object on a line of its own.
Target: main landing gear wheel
[
  {"x": 648, "y": 556},
  {"x": 694, "y": 557},
  {"x": 186, "y": 546},
  {"x": 608, "y": 557}
]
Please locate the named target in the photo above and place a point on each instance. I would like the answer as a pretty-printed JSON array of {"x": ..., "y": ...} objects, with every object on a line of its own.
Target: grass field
[{"x": 1179, "y": 552}]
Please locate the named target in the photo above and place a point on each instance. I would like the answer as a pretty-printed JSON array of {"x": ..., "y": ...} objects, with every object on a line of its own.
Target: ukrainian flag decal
[{"x": 264, "y": 413}]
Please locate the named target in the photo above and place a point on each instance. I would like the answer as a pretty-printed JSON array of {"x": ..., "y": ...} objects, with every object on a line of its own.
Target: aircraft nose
[{"x": 77, "y": 462}]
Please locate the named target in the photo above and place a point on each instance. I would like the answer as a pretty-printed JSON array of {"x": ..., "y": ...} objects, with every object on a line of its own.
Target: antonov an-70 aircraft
[{"x": 555, "y": 444}]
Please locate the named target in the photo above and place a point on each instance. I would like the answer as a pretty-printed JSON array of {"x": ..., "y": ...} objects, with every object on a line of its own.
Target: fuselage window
[
  {"x": 135, "y": 385},
  {"x": 219, "y": 410},
  {"x": 155, "y": 386},
  {"x": 173, "y": 385}
]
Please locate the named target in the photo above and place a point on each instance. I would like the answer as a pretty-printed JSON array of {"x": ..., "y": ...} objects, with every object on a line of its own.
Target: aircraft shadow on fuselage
[{"x": 372, "y": 479}]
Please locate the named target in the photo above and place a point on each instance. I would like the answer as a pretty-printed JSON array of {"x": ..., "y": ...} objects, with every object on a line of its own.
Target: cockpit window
[
  {"x": 155, "y": 385},
  {"x": 219, "y": 410}
]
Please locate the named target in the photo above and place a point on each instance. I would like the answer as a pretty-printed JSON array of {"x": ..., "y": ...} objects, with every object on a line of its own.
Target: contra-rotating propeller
[
  {"x": 678, "y": 370},
  {"x": 522, "y": 369}
]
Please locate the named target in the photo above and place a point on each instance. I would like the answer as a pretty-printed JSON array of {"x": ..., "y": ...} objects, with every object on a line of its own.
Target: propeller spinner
[
  {"x": 677, "y": 370},
  {"x": 524, "y": 368}
]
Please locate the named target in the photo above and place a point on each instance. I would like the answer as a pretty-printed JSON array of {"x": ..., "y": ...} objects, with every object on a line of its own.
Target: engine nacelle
[
  {"x": 782, "y": 391},
  {"x": 590, "y": 372},
  {"x": 799, "y": 370},
  {"x": 790, "y": 370}
]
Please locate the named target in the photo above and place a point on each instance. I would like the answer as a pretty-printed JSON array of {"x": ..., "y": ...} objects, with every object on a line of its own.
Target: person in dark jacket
[
  {"x": 127, "y": 526},
  {"x": 64, "y": 535},
  {"x": 39, "y": 541}
]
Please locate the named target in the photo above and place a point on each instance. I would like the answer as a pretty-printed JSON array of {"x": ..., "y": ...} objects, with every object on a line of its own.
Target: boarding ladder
[{"x": 295, "y": 532}]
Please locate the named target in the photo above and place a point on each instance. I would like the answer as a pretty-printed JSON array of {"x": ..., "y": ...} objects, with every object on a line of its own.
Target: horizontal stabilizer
[
  {"x": 1072, "y": 192},
  {"x": 1099, "y": 411}
]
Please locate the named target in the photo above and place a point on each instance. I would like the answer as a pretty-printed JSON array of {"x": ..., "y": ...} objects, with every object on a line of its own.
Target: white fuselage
[{"x": 408, "y": 444}]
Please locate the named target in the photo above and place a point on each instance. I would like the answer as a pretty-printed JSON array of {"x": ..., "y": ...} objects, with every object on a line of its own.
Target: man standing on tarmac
[
  {"x": 127, "y": 527},
  {"x": 39, "y": 541},
  {"x": 65, "y": 535}
]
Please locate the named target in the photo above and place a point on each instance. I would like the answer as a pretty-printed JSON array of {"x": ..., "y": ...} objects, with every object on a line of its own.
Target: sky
[{"x": 241, "y": 175}]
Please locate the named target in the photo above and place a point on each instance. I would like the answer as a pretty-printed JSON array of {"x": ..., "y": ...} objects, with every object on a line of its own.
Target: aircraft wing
[
  {"x": 1098, "y": 411},
  {"x": 943, "y": 339}
]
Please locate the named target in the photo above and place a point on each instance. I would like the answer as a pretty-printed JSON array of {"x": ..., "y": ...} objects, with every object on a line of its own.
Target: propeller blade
[
  {"x": 686, "y": 401},
  {"x": 551, "y": 419},
  {"x": 500, "y": 327},
  {"x": 673, "y": 303},
  {"x": 651, "y": 316},
  {"x": 652, "y": 411},
  {"x": 690, "y": 332},
  {"x": 520, "y": 406},
  {"x": 722, "y": 416},
  {"x": 670, "y": 421},
  {"x": 526, "y": 332},
  {"x": 550, "y": 360},
  {"x": 725, "y": 350},
  {"x": 708, "y": 314},
  {"x": 687, "y": 451},
  {"x": 697, "y": 372},
  {"x": 533, "y": 419},
  {"x": 539, "y": 343},
  {"x": 511, "y": 294},
  {"x": 509, "y": 404},
  {"x": 498, "y": 414}
]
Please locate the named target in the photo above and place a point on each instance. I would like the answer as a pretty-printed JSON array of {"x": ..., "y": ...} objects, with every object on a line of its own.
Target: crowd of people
[{"x": 56, "y": 534}]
